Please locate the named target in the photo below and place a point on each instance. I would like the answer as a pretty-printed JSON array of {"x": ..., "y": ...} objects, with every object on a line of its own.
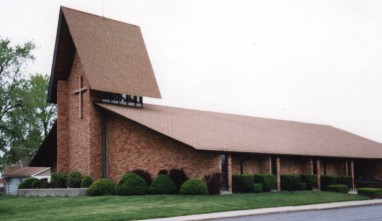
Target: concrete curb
[{"x": 285, "y": 209}]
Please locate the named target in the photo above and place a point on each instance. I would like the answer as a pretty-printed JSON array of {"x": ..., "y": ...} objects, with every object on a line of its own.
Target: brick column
[
  {"x": 229, "y": 172},
  {"x": 278, "y": 173},
  {"x": 352, "y": 174},
  {"x": 318, "y": 174},
  {"x": 270, "y": 165},
  {"x": 311, "y": 166},
  {"x": 346, "y": 168}
]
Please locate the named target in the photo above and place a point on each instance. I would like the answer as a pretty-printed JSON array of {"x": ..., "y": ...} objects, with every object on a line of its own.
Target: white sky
[{"x": 311, "y": 61}]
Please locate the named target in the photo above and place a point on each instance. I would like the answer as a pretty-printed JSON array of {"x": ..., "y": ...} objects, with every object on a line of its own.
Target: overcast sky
[{"x": 310, "y": 61}]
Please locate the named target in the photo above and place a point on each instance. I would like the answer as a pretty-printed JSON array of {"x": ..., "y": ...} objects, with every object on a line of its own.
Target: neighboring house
[
  {"x": 14, "y": 176},
  {"x": 101, "y": 72}
]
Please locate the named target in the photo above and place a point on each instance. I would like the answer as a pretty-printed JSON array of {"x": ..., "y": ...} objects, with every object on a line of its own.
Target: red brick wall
[
  {"x": 255, "y": 165},
  {"x": 333, "y": 166},
  {"x": 132, "y": 146},
  {"x": 295, "y": 165},
  {"x": 77, "y": 139}
]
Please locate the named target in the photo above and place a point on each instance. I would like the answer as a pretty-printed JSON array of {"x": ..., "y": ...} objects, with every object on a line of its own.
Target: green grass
[{"x": 145, "y": 207}]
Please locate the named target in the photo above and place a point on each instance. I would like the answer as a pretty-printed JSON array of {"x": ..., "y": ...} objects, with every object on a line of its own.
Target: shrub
[
  {"x": 163, "y": 172},
  {"x": 178, "y": 176},
  {"x": 162, "y": 185},
  {"x": 36, "y": 184},
  {"x": 101, "y": 187},
  {"x": 303, "y": 186},
  {"x": 131, "y": 184},
  {"x": 310, "y": 180},
  {"x": 213, "y": 182},
  {"x": 267, "y": 180},
  {"x": 86, "y": 182},
  {"x": 370, "y": 191},
  {"x": 258, "y": 187},
  {"x": 290, "y": 182},
  {"x": 145, "y": 175},
  {"x": 345, "y": 180},
  {"x": 27, "y": 183},
  {"x": 58, "y": 180},
  {"x": 44, "y": 183},
  {"x": 341, "y": 188},
  {"x": 73, "y": 180},
  {"x": 242, "y": 183},
  {"x": 194, "y": 187}
]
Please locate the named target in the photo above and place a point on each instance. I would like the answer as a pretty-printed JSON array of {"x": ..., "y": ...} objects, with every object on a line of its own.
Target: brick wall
[
  {"x": 132, "y": 146},
  {"x": 295, "y": 165},
  {"x": 252, "y": 164}
]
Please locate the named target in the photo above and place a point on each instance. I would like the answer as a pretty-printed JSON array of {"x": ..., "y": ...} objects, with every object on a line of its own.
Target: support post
[
  {"x": 318, "y": 174},
  {"x": 346, "y": 168},
  {"x": 270, "y": 165},
  {"x": 311, "y": 166},
  {"x": 230, "y": 173},
  {"x": 352, "y": 174},
  {"x": 278, "y": 173}
]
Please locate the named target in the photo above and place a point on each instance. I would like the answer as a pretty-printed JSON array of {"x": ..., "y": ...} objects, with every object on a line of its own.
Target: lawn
[{"x": 145, "y": 207}]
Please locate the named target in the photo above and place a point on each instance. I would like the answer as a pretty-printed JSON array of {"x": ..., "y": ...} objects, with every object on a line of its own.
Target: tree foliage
[{"x": 25, "y": 116}]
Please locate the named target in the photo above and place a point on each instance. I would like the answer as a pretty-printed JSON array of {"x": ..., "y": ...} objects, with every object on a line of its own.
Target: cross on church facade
[{"x": 79, "y": 91}]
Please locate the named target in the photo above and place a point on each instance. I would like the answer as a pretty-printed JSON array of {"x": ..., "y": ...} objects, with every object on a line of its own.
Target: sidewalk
[{"x": 323, "y": 206}]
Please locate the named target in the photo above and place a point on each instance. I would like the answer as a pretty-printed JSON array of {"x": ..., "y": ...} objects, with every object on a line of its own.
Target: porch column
[
  {"x": 311, "y": 166},
  {"x": 270, "y": 165},
  {"x": 229, "y": 172},
  {"x": 318, "y": 174},
  {"x": 278, "y": 173},
  {"x": 352, "y": 174},
  {"x": 346, "y": 168}
]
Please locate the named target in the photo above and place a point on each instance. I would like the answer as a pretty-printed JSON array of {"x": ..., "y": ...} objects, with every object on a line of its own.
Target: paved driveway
[{"x": 369, "y": 213}]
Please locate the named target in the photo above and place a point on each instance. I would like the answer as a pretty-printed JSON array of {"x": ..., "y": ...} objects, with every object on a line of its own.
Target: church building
[{"x": 101, "y": 74}]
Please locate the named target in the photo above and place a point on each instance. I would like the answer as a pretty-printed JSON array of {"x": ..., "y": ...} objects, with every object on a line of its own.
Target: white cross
[{"x": 79, "y": 92}]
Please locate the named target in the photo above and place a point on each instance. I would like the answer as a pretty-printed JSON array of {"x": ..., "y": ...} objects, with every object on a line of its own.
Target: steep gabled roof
[
  {"x": 204, "y": 130},
  {"x": 113, "y": 55}
]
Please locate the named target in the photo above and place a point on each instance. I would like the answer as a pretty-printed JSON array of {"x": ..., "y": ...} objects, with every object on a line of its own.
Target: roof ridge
[{"x": 102, "y": 17}]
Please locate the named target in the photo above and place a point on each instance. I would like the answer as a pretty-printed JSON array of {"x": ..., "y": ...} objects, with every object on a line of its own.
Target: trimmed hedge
[
  {"x": 73, "y": 180},
  {"x": 373, "y": 192},
  {"x": 27, "y": 183},
  {"x": 310, "y": 180},
  {"x": 290, "y": 182},
  {"x": 36, "y": 184},
  {"x": 131, "y": 184},
  {"x": 178, "y": 176},
  {"x": 86, "y": 181},
  {"x": 44, "y": 183},
  {"x": 145, "y": 175},
  {"x": 303, "y": 186},
  {"x": 258, "y": 187},
  {"x": 242, "y": 183},
  {"x": 58, "y": 180},
  {"x": 340, "y": 188},
  {"x": 162, "y": 185},
  {"x": 333, "y": 180},
  {"x": 213, "y": 182},
  {"x": 267, "y": 180},
  {"x": 101, "y": 187},
  {"x": 193, "y": 187}
]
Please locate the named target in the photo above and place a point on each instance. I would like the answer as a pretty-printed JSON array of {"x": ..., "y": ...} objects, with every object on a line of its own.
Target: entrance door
[{"x": 224, "y": 169}]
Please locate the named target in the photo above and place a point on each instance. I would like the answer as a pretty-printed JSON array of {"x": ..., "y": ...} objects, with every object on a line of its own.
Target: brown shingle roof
[
  {"x": 233, "y": 133},
  {"x": 113, "y": 54},
  {"x": 24, "y": 171}
]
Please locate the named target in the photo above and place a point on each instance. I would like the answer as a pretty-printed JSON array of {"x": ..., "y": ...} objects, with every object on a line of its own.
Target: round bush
[
  {"x": 86, "y": 182},
  {"x": 194, "y": 187},
  {"x": 44, "y": 184},
  {"x": 58, "y": 180},
  {"x": 101, "y": 187},
  {"x": 131, "y": 184},
  {"x": 73, "y": 180},
  {"x": 162, "y": 185},
  {"x": 340, "y": 188},
  {"x": 36, "y": 184},
  {"x": 145, "y": 175},
  {"x": 27, "y": 183}
]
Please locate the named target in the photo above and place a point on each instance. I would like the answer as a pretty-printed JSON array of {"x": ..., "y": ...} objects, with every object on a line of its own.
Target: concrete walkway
[{"x": 323, "y": 206}]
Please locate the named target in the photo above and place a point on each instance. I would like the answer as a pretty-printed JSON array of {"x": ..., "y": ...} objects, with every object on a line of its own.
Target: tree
[{"x": 25, "y": 117}]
